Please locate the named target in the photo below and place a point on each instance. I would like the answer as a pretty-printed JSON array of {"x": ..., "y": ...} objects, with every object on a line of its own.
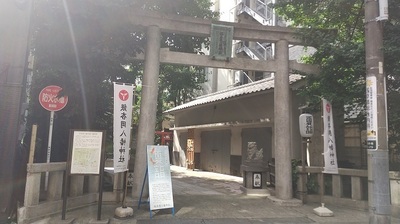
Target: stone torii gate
[{"x": 153, "y": 24}]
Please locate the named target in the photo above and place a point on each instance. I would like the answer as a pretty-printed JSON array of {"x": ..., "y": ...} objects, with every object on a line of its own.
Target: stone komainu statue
[{"x": 253, "y": 153}]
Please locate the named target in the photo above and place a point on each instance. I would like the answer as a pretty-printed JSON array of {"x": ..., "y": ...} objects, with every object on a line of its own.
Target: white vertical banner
[
  {"x": 123, "y": 100},
  {"x": 330, "y": 159}
]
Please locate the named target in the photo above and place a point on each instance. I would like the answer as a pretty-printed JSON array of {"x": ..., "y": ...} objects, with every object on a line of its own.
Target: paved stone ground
[
  {"x": 230, "y": 221},
  {"x": 210, "y": 198}
]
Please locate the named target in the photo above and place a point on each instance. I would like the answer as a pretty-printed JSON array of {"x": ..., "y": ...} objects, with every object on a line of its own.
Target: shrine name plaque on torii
[{"x": 202, "y": 28}]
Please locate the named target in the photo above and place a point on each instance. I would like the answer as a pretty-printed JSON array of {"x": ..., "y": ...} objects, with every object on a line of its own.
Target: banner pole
[
  {"x": 322, "y": 210},
  {"x": 125, "y": 189}
]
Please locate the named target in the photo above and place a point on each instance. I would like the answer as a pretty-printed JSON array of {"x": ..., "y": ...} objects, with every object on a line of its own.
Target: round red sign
[
  {"x": 123, "y": 95},
  {"x": 328, "y": 108},
  {"x": 49, "y": 99}
]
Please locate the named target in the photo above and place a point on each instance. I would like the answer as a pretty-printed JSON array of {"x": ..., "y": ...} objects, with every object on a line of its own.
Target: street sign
[{"x": 50, "y": 100}]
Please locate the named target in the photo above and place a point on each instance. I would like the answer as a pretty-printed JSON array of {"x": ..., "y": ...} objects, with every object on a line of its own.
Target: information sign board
[
  {"x": 372, "y": 113},
  {"x": 160, "y": 186},
  {"x": 86, "y": 152},
  {"x": 86, "y": 155}
]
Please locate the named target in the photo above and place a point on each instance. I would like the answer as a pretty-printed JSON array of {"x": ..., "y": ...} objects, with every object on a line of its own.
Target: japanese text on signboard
[{"x": 160, "y": 186}]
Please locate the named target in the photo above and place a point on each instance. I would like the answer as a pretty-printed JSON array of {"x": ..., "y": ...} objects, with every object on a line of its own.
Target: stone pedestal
[
  {"x": 255, "y": 178},
  {"x": 123, "y": 213},
  {"x": 255, "y": 171}
]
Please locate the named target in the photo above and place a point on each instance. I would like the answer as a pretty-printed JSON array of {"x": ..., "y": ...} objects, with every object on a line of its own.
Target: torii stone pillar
[
  {"x": 148, "y": 108},
  {"x": 282, "y": 133}
]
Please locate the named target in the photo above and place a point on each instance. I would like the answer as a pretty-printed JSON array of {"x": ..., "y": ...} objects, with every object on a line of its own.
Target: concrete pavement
[{"x": 210, "y": 198}]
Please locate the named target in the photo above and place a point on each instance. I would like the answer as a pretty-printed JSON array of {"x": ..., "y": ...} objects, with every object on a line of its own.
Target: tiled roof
[{"x": 253, "y": 87}]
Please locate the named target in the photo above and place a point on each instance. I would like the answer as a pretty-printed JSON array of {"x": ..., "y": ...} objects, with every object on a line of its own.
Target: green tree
[
  {"x": 392, "y": 69},
  {"x": 83, "y": 47},
  {"x": 75, "y": 48},
  {"x": 342, "y": 59}
]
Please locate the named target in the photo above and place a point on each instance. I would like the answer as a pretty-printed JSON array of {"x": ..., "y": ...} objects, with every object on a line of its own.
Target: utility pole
[{"x": 377, "y": 140}]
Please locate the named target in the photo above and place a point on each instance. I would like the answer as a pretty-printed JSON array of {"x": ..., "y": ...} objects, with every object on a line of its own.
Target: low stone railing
[
  {"x": 83, "y": 191},
  {"x": 348, "y": 188},
  {"x": 394, "y": 177}
]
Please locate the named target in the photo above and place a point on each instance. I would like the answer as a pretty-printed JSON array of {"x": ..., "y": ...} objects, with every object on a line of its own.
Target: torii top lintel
[{"x": 202, "y": 27}]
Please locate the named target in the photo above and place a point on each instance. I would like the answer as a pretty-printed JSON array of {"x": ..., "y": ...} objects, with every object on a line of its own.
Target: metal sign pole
[
  {"x": 101, "y": 180},
  {"x": 303, "y": 170},
  {"x": 49, "y": 148}
]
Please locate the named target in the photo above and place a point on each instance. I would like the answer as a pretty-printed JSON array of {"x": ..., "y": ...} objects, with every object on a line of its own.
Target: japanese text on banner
[
  {"x": 123, "y": 100},
  {"x": 330, "y": 158}
]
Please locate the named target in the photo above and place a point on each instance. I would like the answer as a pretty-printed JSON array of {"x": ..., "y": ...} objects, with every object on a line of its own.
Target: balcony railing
[
  {"x": 260, "y": 51},
  {"x": 264, "y": 49},
  {"x": 262, "y": 13}
]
